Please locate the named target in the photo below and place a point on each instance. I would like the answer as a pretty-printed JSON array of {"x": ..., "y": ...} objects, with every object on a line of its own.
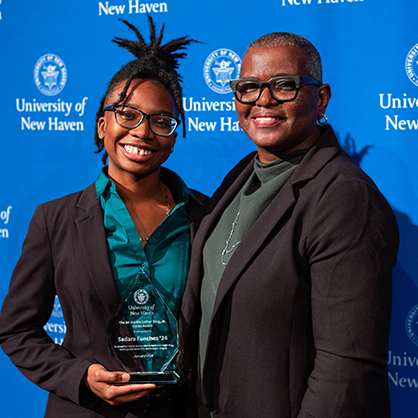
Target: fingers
[
  {"x": 112, "y": 386},
  {"x": 115, "y": 395}
]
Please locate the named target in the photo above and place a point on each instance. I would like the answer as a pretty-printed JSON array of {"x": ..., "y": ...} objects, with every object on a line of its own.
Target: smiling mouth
[
  {"x": 267, "y": 121},
  {"x": 265, "y": 118},
  {"x": 137, "y": 150}
]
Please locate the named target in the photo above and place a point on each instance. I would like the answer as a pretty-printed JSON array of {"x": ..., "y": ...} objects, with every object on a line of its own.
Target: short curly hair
[
  {"x": 314, "y": 64},
  {"x": 153, "y": 62}
]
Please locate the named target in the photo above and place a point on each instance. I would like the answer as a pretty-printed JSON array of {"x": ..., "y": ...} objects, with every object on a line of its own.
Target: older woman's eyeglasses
[
  {"x": 130, "y": 117},
  {"x": 283, "y": 88}
]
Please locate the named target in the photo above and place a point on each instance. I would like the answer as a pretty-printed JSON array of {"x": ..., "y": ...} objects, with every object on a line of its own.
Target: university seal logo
[
  {"x": 411, "y": 325},
  {"x": 50, "y": 74},
  {"x": 141, "y": 297},
  {"x": 221, "y": 66},
  {"x": 411, "y": 65}
]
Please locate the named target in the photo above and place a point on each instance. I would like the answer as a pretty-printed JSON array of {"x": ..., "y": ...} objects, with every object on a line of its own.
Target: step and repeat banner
[{"x": 57, "y": 58}]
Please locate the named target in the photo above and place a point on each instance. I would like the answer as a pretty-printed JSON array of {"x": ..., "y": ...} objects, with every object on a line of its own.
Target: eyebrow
[
  {"x": 283, "y": 75},
  {"x": 160, "y": 112},
  {"x": 274, "y": 76}
]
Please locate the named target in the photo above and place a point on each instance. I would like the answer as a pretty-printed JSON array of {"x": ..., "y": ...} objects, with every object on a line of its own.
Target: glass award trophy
[{"x": 143, "y": 334}]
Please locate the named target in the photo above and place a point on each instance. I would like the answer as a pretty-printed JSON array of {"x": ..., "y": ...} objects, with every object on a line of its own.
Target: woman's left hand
[{"x": 112, "y": 387}]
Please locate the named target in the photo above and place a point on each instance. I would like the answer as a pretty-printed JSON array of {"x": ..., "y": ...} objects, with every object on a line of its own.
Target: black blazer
[
  {"x": 301, "y": 319},
  {"x": 65, "y": 253}
]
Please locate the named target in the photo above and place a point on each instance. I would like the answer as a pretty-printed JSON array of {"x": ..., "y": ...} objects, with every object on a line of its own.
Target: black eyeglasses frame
[
  {"x": 147, "y": 116},
  {"x": 298, "y": 79}
]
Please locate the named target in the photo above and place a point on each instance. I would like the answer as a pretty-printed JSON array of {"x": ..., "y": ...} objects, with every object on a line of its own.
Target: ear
[
  {"x": 173, "y": 141},
  {"x": 101, "y": 126},
  {"x": 324, "y": 96}
]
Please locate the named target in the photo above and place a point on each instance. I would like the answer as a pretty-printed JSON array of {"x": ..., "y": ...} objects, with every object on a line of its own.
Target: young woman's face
[{"x": 138, "y": 151}]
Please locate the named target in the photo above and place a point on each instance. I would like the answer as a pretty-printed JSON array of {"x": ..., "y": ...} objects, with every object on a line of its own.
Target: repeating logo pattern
[
  {"x": 220, "y": 67},
  {"x": 411, "y": 64},
  {"x": 411, "y": 325},
  {"x": 50, "y": 74}
]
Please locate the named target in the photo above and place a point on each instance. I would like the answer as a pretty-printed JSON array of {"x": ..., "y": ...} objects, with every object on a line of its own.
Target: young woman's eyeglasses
[
  {"x": 130, "y": 117},
  {"x": 283, "y": 88}
]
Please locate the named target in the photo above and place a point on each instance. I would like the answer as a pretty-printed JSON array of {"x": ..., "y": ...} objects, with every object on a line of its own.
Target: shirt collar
[{"x": 103, "y": 182}]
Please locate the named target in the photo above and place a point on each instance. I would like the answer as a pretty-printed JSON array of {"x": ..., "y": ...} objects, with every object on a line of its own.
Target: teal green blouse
[{"x": 166, "y": 257}]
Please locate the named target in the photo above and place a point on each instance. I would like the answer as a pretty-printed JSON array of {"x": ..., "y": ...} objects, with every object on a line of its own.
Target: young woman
[{"x": 88, "y": 246}]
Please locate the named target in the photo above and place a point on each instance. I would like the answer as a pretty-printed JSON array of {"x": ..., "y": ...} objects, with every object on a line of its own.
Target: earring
[
  {"x": 102, "y": 135},
  {"x": 321, "y": 122}
]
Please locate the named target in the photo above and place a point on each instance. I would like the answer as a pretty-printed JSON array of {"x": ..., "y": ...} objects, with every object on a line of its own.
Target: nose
[
  {"x": 265, "y": 99},
  {"x": 142, "y": 131}
]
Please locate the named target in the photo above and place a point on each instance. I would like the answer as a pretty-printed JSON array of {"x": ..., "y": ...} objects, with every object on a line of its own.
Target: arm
[
  {"x": 25, "y": 311},
  {"x": 27, "y": 308},
  {"x": 352, "y": 249}
]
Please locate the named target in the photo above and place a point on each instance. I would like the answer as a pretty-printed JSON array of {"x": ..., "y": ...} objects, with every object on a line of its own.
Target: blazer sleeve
[
  {"x": 26, "y": 309},
  {"x": 351, "y": 245}
]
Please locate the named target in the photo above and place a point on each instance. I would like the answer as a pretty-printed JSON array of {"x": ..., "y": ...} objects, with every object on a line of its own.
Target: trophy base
[{"x": 154, "y": 377}]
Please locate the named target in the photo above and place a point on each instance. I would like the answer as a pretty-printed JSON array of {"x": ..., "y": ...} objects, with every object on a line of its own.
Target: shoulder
[
  {"x": 326, "y": 162},
  {"x": 67, "y": 205},
  {"x": 245, "y": 167},
  {"x": 343, "y": 169},
  {"x": 200, "y": 197},
  {"x": 342, "y": 184},
  {"x": 342, "y": 196},
  {"x": 61, "y": 201},
  {"x": 342, "y": 174},
  {"x": 181, "y": 190},
  {"x": 248, "y": 160},
  {"x": 330, "y": 185}
]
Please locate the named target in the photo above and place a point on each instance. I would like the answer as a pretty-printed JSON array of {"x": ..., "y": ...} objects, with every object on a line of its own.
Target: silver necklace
[
  {"x": 225, "y": 251},
  {"x": 167, "y": 212}
]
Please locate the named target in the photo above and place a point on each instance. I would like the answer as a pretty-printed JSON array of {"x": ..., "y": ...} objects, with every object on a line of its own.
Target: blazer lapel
[
  {"x": 219, "y": 201},
  {"x": 255, "y": 236},
  {"x": 276, "y": 212},
  {"x": 93, "y": 242},
  {"x": 254, "y": 239},
  {"x": 222, "y": 198}
]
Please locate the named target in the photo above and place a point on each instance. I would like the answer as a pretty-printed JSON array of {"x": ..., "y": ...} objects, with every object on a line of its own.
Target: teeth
[
  {"x": 265, "y": 118},
  {"x": 135, "y": 150}
]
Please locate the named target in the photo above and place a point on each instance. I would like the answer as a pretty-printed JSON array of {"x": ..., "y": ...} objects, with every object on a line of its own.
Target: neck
[
  {"x": 131, "y": 188},
  {"x": 268, "y": 156},
  {"x": 147, "y": 200}
]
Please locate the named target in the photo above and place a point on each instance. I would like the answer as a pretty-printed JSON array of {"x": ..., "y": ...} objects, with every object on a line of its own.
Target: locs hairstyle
[{"x": 153, "y": 62}]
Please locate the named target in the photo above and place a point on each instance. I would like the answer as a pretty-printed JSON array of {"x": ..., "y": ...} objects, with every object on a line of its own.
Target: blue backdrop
[{"x": 57, "y": 58}]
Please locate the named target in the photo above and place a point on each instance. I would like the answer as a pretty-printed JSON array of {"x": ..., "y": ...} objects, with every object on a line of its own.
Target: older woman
[
  {"x": 290, "y": 280},
  {"x": 88, "y": 247}
]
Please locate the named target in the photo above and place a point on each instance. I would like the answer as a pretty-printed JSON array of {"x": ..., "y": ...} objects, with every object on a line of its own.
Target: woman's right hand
[{"x": 112, "y": 386}]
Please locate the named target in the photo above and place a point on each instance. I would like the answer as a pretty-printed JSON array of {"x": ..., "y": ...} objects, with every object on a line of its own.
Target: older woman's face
[{"x": 279, "y": 129}]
